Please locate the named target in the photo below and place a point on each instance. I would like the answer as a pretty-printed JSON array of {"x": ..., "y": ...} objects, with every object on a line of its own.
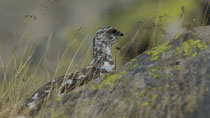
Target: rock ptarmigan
[{"x": 101, "y": 63}]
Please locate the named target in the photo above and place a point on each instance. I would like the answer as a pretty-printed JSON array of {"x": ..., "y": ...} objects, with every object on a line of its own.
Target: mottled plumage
[{"x": 101, "y": 63}]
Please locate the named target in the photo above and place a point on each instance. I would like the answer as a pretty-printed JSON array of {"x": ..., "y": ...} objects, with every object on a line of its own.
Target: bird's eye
[{"x": 113, "y": 31}]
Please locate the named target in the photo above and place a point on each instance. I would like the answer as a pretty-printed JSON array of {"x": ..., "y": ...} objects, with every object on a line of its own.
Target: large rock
[{"x": 170, "y": 81}]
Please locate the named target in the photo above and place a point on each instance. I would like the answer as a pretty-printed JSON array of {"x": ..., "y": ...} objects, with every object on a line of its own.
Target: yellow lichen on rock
[
  {"x": 149, "y": 95},
  {"x": 189, "y": 47},
  {"x": 154, "y": 71},
  {"x": 111, "y": 79},
  {"x": 133, "y": 60},
  {"x": 144, "y": 93},
  {"x": 134, "y": 66},
  {"x": 154, "y": 97},
  {"x": 177, "y": 35},
  {"x": 144, "y": 104},
  {"x": 157, "y": 51}
]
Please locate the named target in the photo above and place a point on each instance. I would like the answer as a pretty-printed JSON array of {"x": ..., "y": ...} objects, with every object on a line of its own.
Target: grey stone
[{"x": 171, "y": 80}]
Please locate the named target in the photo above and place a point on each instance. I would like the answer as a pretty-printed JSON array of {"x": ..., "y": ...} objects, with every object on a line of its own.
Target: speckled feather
[{"x": 101, "y": 63}]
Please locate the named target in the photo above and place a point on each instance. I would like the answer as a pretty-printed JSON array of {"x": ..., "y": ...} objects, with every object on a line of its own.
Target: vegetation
[{"x": 28, "y": 61}]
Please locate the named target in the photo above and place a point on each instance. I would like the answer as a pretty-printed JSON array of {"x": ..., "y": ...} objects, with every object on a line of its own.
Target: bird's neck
[{"x": 102, "y": 56}]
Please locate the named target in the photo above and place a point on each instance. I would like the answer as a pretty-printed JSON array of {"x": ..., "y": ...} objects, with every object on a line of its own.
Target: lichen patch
[
  {"x": 191, "y": 47},
  {"x": 158, "y": 51},
  {"x": 111, "y": 79}
]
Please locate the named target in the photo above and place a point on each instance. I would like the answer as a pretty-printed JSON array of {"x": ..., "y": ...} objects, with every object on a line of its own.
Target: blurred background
[{"x": 55, "y": 36}]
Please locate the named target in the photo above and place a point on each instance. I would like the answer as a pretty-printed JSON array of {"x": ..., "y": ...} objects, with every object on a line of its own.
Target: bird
[{"x": 101, "y": 64}]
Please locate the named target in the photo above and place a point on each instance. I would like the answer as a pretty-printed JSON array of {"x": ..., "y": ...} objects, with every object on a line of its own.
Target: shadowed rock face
[{"x": 170, "y": 80}]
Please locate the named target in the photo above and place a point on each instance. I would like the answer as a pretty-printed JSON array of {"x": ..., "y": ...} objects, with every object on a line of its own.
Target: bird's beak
[{"x": 120, "y": 34}]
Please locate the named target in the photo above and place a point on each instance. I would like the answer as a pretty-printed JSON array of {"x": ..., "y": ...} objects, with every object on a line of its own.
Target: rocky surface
[{"x": 171, "y": 80}]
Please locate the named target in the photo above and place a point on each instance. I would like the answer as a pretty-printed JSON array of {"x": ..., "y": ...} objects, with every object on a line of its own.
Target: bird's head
[{"x": 108, "y": 35}]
